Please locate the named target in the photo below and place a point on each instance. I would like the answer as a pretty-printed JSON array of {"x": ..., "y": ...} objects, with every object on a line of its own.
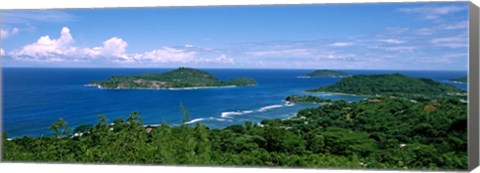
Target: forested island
[
  {"x": 391, "y": 84},
  {"x": 327, "y": 73},
  {"x": 460, "y": 79},
  {"x": 180, "y": 78},
  {"x": 379, "y": 132},
  {"x": 306, "y": 99}
]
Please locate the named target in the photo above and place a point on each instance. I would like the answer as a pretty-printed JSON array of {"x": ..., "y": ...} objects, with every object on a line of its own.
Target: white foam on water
[
  {"x": 228, "y": 114},
  {"x": 247, "y": 112},
  {"x": 265, "y": 108},
  {"x": 287, "y": 103},
  {"x": 195, "y": 120}
]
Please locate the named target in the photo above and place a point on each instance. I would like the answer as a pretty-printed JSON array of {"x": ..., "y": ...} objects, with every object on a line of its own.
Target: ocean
[{"x": 34, "y": 98}]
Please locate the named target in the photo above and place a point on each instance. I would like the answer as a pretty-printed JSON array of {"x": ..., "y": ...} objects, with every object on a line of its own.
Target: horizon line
[{"x": 235, "y": 68}]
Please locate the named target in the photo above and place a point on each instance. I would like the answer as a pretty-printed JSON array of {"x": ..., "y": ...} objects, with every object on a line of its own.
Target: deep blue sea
[{"x": 34, "y": 98}]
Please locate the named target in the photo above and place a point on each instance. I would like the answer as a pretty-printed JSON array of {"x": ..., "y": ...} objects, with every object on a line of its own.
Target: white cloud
[
  {"x": 433, "y": 12},
  {"x": 425, "y": 31},
  {"x": 285, "y": 52},
  {"x": 14, "y": 31},
  {"x": 164, "y": 55},
  {"x": 2, "y": 52},
  {"x": 341, "y": 44},
  {"x": 397, "y": 30},
  {"x": 392, "y": 41},
  {"x": 459, "y": 25},
  {"x": 222, "y": 59},
  {"x": 345, "y": 57},
  {"x": 171, "y": 55},
  {"x": 113, "y": 47},
  {"x": 46, "y": 48},
  {"x": 451, "y": 42},
  {"x": 62, "y": 49},
  {"x": 6, "y": 33},
  {"x": 395, "y": 48}
]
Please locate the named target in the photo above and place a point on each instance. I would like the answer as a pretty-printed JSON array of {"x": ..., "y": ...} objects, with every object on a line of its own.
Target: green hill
[
  {"x": 306, "y": 99},
  {"x": 390, "y": 84},
  {"x": 178, "y": 78},
  {"x": 327, "y": 73}
]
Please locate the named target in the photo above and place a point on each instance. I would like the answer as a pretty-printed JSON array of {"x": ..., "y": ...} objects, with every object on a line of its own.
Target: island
[
  {"x": 390, "y": 84},
  {"x": 306, "y": 99},
  {"x": 459, "y": 80},
  {"x": 327, "y": 73},
  {"x": 180, "y": 78}
]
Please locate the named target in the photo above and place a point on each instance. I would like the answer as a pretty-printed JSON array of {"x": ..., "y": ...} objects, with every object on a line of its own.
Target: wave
[
  {"x": 287, "y": 103},
  {"x": 266, "y": 108},
  {"x": 195, "y": 120},
  {"x": 230, "y": 113},
  {"x": 209, "y": 118}
]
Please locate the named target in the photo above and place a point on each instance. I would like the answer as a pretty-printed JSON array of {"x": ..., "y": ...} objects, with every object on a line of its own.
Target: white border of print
[{"x": 50, "y": 4}]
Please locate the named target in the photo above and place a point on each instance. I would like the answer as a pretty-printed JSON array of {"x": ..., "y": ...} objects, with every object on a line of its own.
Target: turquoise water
[{"x": 34, "y": 98}]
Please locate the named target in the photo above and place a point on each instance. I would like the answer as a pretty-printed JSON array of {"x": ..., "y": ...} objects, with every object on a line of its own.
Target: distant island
[
  {"x": 181, "y": 78},
  {"x": 389, "y": 84},
  {"x": 327, "y": 73},
  {"x": 460, "y": 79},
  {"x": 305, "y": 99}
]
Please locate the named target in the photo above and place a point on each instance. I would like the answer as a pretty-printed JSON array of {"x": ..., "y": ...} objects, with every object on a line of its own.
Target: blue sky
[{"x": 405, "y": 36}]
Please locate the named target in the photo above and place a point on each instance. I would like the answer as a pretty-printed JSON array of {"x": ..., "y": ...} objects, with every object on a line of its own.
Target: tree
[
  {"x": 184, "y": 111},
  {"x": 59, "y": 128}
]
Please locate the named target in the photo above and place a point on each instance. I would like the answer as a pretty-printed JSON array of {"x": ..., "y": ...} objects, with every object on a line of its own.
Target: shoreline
[
  {"x": 184, "y": 88},
  {"x": 309, "y": 77},
  {"x": 337, "y": 93}
]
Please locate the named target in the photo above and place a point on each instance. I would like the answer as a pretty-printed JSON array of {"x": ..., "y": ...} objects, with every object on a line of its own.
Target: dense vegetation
[
  {"x": 460, "y": 79},
  {"x": 399, "y": 132},
  {"x": 327, "y": 73},
  {"x": 306, "y": 99},
  {"x": 391, "y": 84},
  {"x": 179, "y": 78},
  {"x": 375, "y": 133}
]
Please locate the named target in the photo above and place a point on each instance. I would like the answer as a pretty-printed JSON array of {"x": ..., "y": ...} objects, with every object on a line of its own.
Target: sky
[{"x": 395, "y": 36}]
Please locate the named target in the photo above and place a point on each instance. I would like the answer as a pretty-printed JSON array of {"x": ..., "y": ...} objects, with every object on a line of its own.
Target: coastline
[
  {"x": 308, "y": 77},
  {"x": 337, "y": 93},
  {"x": 184, "y": 88}
]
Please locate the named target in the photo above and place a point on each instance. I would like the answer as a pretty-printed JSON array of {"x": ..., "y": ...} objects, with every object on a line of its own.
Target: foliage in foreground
[{"x": 375, "y": 133}]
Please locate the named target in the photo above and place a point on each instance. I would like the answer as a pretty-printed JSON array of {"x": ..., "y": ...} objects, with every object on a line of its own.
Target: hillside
[
  {"x": 178, "y": 78},
  {"x": 390, "y": 84},
  {"x": 327, "y": 73}
]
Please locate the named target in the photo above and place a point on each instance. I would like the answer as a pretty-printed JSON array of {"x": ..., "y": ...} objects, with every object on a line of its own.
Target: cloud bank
[{"x": 63, "y": 49}]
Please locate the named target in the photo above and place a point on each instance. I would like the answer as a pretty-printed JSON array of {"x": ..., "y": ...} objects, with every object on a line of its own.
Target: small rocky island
[
  {"x": 327, "y": 73},
  {"x": 181, "y": 78},
  {"x": 460, "y": 79}
]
